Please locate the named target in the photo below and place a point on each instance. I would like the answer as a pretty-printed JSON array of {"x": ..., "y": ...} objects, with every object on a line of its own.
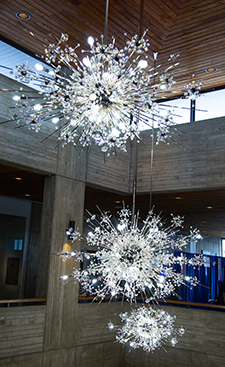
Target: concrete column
[
  {"x": 32, "y": 256},
  {"x": 63, "y": 201}
]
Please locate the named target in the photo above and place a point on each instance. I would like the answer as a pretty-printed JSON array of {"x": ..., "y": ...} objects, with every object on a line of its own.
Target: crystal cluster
[
  {"x": 103, "y": 98},
  {"x": 147, "y": 328},
  {"x": 134, "y": 259},
  {"x": 193, "y": 89}
]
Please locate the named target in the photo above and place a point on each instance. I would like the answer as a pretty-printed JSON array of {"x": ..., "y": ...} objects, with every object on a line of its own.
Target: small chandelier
[{"x": 147, "y": 328}]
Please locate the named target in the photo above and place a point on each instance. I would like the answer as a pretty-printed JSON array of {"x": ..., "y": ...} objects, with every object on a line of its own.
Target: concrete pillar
[
  {"x": 63, "y": 202},
  {"x": 32, "y": 256}
]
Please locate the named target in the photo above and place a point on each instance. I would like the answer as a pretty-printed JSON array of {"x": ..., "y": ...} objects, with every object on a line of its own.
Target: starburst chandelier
[
  {"x": 147, "y": 328},
  {"x": 134, "y": 259},
  {"x": 103, "y": 98}
]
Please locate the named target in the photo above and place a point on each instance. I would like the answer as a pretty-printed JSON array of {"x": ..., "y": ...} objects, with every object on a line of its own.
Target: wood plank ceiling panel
[
  {"x": 193, "y": 28},
  {"x": 199, "y": 34}
]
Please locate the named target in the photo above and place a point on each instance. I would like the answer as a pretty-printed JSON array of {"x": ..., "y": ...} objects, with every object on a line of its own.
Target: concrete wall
[
  {"x": 21, "y": 338},
  {"x": 194, "y": 160},
  {"x": 22, "y": 330},
  {"x": 24, "y": 148}
]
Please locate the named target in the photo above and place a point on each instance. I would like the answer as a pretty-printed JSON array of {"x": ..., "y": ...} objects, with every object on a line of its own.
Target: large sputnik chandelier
[
  {"x": 147, "y": 328},
  {"x": 102, "y": 98},
  {"x": 134, "y": 259}
]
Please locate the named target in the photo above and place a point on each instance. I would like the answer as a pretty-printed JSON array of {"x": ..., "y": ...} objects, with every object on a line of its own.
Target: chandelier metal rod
[
  {"x": 106, "y": 23},
  {"x": 152, "y": 141},
  {"x": 136, "y": 146},
  {"x": 151, "y": 163},
  {"x": 134, "y": 177},
  {"x": 141, "y": 18}
]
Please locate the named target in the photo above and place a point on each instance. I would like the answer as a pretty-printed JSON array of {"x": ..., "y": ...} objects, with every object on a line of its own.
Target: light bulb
[
  {"x": 55, "y": 120},
  {"x": 39, "y": 67},
  {"x": 86, "y": 61},
  {"x": 37, "y": 107},
  {"x": 142, "y": 64},
  {"x": 16, "y": 98},
  {"x": 90, "y": 40},
  {"x": 51, "y": 73},
  {"x": 93, "y": 97},
  {"x": 64, "y": 277}
]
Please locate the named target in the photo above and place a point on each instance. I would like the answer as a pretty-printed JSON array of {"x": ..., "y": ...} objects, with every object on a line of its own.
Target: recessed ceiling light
[
  {"x": 211, "y": 69},
  {"x": 18, "y": 178},
  {"x": 178, "y": 198},
  {"x": 22, "y": 15},
  {"x": 209, "y": 207},
  {"x": 27, "y": 194},
  {"x": 117, "y": 202}
]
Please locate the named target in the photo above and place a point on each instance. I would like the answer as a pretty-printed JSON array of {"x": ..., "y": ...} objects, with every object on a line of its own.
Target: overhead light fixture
[
  {"x": 178, "y": 197},
  {"x": 18, "y": 178},
  {"x": 211, "y": 69},
  {"x": 22, "y": 15}
]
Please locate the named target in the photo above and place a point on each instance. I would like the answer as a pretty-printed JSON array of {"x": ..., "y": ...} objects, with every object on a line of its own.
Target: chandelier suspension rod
[
  {"x": 106, "y": 23},
  {"x": 155, "y": 54},
  {"x": 135, "y": 177},
  {"x": 136, "y": 144},
  {"x": 141, "y": 18},
  {"x": 151, "y": 163}
]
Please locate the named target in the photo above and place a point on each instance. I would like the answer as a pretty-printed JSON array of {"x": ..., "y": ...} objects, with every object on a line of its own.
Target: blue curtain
[{"x": 208, "y": 286}]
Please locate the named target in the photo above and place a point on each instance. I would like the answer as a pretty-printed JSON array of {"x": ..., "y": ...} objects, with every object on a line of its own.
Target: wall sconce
[{"x": 71, "y": 229}]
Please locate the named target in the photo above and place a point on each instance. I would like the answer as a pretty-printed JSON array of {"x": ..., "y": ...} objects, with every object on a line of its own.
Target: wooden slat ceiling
[{"x": 194, "y": 28}]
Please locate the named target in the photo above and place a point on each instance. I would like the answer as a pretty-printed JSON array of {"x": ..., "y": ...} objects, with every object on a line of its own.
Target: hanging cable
[
  {"x": 155, "y": 54},
  {"x": 136, "y": 144},
  {"x": 106, "y": 23}
]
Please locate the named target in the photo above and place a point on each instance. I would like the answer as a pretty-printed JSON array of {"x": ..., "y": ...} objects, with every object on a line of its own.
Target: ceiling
[
  {"x": 194, "y": 29},
  {"x": 193, "y": 205}
]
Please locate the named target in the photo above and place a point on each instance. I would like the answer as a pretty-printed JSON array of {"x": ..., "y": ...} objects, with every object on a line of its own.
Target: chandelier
[
  {"x": 134, "y": 259},
  {"x": 147, "y": 328},
  {"x": 104, "y": 98}
]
